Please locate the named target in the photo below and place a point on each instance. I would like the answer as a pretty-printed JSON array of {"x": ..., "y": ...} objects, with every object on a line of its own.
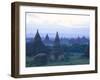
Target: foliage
[{"x": 40, "y": 52}]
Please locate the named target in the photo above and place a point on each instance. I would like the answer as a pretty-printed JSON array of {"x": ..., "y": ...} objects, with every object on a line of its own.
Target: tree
[
  {"x": 40, "y": 60},
  {"x": 87, "y": 52}
]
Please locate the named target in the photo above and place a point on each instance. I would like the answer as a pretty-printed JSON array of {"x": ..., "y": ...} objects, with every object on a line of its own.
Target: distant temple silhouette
[
  {"x": 52, "y": 49},
  {"x": 38, "y": 46}
]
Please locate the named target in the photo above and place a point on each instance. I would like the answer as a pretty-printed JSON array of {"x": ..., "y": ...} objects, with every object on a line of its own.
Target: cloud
[
  {"x": 52, "y": 19},
  {"x": 66, "y": 25}
]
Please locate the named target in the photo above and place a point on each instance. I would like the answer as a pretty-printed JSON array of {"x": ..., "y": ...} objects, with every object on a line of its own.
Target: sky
[{"x": 67, "y": 25}]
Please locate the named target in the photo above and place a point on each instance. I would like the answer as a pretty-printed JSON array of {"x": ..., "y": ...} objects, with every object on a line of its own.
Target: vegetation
[{"x": 46, "y": 52}]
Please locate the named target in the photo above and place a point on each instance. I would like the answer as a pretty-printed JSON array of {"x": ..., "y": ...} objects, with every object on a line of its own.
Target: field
[{"x": 75, "y": 59}]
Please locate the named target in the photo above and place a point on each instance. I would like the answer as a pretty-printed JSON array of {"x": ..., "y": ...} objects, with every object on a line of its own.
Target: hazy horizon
[{"x": 68, "y": 26}]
